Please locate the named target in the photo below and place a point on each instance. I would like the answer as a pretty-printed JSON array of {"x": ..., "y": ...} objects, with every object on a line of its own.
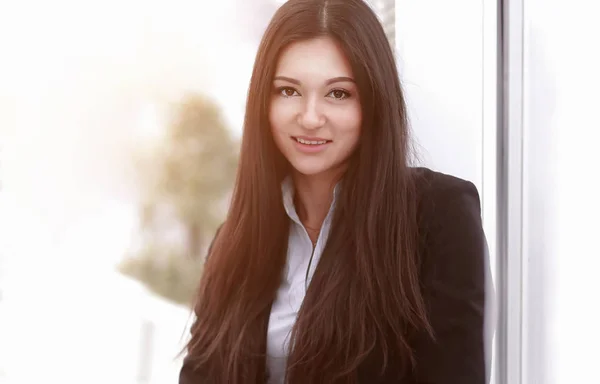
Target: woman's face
[{"x": 315, "y": 112}]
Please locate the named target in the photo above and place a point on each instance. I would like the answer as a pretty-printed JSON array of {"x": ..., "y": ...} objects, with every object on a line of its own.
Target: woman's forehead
[{"x": 315, "y": 58}]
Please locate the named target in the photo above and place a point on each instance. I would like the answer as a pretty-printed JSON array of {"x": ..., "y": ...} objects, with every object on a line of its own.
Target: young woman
[{"x": 338, "y": 262}]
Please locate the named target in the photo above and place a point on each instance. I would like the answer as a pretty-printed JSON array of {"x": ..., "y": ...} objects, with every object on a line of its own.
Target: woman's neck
[{"x": 313, "y": 198}]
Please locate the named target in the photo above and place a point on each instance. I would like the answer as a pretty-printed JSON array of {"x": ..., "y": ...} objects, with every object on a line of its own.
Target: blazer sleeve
[
  {"x": 454, "y": 272},
  {"x": 187, "y": 374}
]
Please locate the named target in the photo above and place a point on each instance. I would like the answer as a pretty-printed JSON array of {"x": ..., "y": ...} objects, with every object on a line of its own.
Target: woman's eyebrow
[
  {"x": 339, "y": 80},
  {"x": 288, "y": 79},
  {"x": 328, "y": 82}
]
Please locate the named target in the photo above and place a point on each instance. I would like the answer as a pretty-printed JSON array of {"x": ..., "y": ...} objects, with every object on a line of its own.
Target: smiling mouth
[{"x": 310, "y": 142}]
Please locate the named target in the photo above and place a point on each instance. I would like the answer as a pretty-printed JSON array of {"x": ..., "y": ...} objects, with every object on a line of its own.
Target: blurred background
[{"x": 120, "y": 124}]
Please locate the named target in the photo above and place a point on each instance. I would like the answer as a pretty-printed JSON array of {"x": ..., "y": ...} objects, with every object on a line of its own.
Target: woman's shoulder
[
  {"x": 441, "y": 197},
  {"x": 432, "y": 184},
  {"x": 449, "y": 212}
]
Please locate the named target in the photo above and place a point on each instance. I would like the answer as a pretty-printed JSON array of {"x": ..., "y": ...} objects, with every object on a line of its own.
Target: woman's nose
[{"x": 312, "y": 116}]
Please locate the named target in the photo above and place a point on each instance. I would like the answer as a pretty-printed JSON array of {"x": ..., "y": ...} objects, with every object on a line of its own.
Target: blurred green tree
[{"x": 185, "y": 186}]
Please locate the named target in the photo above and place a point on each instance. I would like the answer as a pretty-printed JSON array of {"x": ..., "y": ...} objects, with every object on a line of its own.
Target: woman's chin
[
  {"x": 310, "y": 171},
  {"x": 309, "y": 168},
  {"x": 320, "y": 169}
]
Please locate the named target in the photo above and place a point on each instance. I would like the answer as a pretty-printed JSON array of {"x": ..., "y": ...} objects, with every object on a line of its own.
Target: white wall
[
  {"x": 439, "y": 47},
  {"x": 561, "y": 258}
]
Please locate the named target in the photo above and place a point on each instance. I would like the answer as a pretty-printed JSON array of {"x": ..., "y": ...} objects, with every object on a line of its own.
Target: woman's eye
[
  {"x": 287, "y": 92},
  {"x": 339, "y": 94}
]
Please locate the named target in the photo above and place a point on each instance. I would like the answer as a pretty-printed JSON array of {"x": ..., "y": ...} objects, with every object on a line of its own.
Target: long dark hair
[{"x": 364, "y": 299}]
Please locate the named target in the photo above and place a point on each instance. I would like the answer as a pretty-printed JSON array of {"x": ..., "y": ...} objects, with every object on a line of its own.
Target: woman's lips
[{"x": 310, "y": 144}]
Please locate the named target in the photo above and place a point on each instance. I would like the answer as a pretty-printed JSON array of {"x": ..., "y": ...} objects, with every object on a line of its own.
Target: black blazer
[{"x": 454, "y": 274}]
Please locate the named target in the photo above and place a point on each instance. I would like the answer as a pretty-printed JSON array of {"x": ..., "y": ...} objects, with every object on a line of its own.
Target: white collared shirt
[{"x": 294, "y": 283}]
